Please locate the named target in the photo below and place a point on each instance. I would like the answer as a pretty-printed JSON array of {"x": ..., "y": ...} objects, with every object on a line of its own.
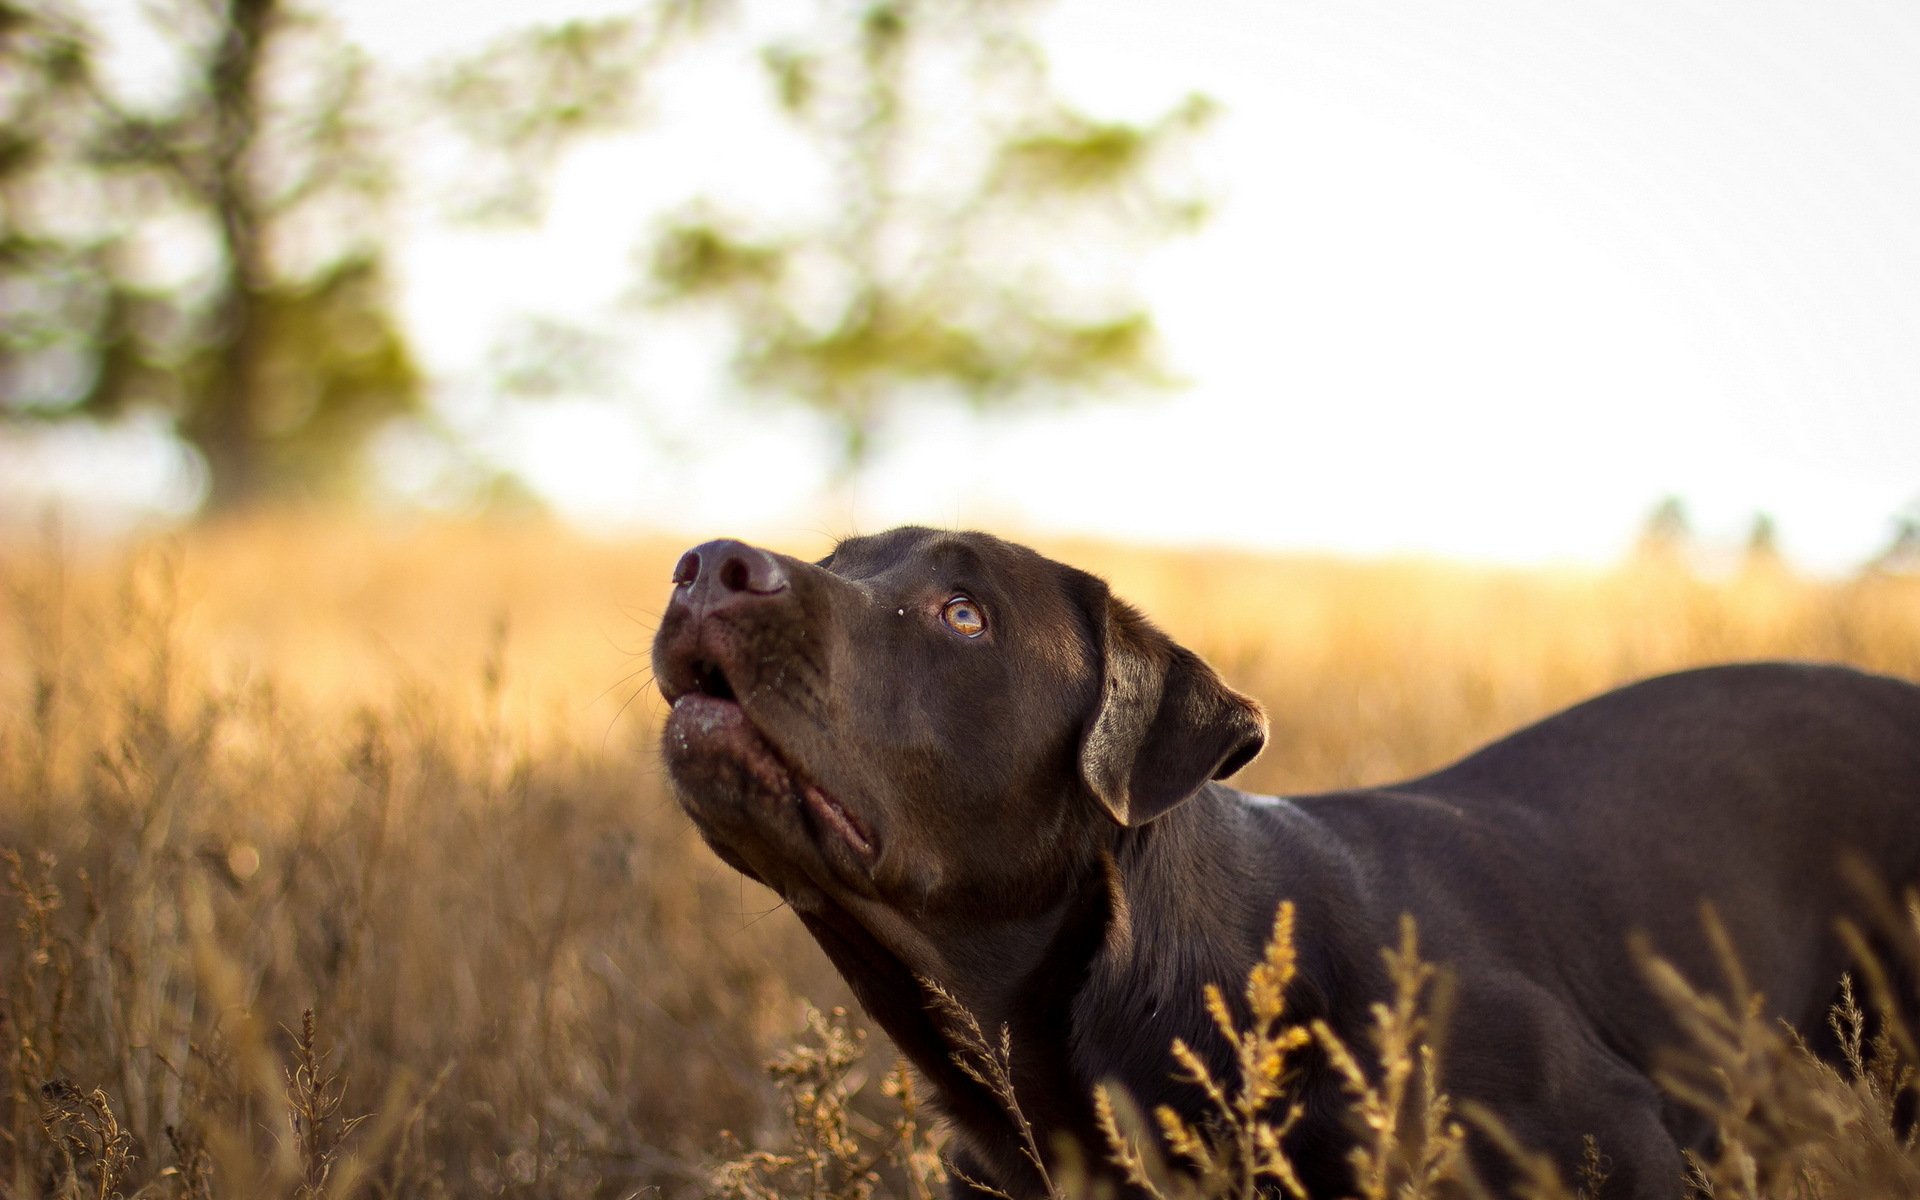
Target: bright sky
[{"x": 1487, "y": 278}]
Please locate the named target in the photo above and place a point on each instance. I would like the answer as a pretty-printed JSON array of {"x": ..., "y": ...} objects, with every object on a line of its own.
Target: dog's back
[
  {"x": 1751, "y": 788},
  {"x": 1766, "y": 793}
]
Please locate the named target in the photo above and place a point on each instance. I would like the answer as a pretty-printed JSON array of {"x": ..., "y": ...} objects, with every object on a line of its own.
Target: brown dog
[{"x": 962, "y": 762}]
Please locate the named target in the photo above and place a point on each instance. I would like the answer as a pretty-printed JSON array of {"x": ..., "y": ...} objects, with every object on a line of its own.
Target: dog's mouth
[
  {"x": 709, "y": 723},
  {"x": 711, "y": 681}
]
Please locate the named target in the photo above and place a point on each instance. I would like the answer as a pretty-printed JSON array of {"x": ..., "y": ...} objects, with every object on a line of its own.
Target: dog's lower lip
[
  {"x": 707, "y": 713},
  {"x": 834, "y": 814},
  {"x": 703, "y": 707}
]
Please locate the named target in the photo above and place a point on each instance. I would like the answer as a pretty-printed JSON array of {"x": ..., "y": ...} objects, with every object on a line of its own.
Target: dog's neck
[
  {"x": 1200, "y": 894},
  {"x": 1043, "y": 959},
  {"x": 1183, "y": 914},
  {"x": 1097, "y": 986}
]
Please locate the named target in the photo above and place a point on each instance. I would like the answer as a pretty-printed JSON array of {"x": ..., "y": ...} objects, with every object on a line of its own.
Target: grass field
[{"x": 340, "y": 861}]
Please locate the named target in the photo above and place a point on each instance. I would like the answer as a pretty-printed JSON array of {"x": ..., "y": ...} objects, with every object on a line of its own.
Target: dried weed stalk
[
  {"x": 1790, "y": 1125},
  {"x": 315, "y": 1096},
  {"x": 1411, "y": 1147},
  {"x": 89, "y": 1153},
  {"x": 1410, "y": 1144},
  {"x": 827, "y": 1155},
  {"x": 988, "y": 1063},
  {"x": 1237, "y": 1150}
]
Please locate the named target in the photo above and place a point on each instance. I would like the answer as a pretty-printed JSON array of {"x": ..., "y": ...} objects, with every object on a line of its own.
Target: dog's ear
[{"x": 1163, "y": 723}]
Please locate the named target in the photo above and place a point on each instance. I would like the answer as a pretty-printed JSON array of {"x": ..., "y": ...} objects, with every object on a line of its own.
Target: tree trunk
[{"x": 225, "y": 426}]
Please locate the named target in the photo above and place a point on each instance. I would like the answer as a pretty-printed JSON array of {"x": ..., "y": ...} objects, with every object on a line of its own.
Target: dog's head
[{"x": 926, "y": 724}]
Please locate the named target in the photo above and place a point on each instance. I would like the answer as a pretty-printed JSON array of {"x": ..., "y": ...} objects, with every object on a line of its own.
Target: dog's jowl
[{"x": 965, "y": 764}]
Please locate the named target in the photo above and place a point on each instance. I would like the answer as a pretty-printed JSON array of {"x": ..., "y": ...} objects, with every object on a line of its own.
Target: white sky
[{"x": 1486, "y": 279}]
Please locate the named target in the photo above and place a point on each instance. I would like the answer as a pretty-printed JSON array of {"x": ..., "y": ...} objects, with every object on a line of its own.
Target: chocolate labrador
[{"x": 962, "y": 762}]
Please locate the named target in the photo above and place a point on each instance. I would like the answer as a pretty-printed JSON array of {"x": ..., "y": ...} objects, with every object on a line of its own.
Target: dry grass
[
  {"x": 342, "y": 864},
  {"x": 1410, "y": 1145}
]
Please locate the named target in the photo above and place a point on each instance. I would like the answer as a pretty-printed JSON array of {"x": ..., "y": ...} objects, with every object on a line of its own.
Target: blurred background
[
  {"x": 1482, "y": 281},
  {"x": 365, "y": 367}
]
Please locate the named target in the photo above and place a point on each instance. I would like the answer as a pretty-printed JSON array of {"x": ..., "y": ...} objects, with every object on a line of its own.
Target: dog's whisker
[
  {"x": 761, "y": 916},
  {"x": 618, "y": 713},
  {"x": 646, "y": 671}
]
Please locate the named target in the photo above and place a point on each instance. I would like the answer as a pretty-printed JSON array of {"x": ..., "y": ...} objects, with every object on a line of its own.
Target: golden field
[{"x": 340, "y": 861}]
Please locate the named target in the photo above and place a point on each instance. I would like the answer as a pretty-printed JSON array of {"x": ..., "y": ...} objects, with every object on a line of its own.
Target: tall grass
[{"x": 340, "y": 862}]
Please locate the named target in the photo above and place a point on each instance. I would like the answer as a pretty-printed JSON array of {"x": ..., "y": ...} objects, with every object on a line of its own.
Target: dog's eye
[{"x": 964, "y": 616}]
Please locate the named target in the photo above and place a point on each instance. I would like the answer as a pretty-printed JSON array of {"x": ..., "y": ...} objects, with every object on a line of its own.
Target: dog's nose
[{"x": 716, "y": 574}]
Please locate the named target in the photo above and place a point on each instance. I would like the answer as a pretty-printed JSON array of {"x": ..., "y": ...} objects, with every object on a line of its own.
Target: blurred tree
[
  {"x": 1666, "y": 539},
  {"x": 522, "y": 101},
  {"x": 208, "y": 249},
  {"x": 939, "y": 225},
  {"x": 969, "y": 238},
  {"x": 1763, "y": 542},
  {"x": 1762, "y": 558},
  {"x": 209, "y": 253},
  {"x": 1901, "y": 556}
]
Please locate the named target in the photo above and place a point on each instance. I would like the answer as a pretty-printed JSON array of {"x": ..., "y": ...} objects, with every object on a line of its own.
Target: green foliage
[
  {"x": 48, "y": 270},
  {"x": 522, "y": 101},
  {"x": 334, "y": 369},
  {"x": 1070, "y": 153},
  {"x": 272, "y": 350},
  {"x": 940, "y": 250},
  {"x": 939, "y": 265},
  {"x": 945, "y": 257}
]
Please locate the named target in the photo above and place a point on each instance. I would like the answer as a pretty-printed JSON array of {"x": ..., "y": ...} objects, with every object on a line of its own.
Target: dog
[{"x": 966, "y": 765}]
